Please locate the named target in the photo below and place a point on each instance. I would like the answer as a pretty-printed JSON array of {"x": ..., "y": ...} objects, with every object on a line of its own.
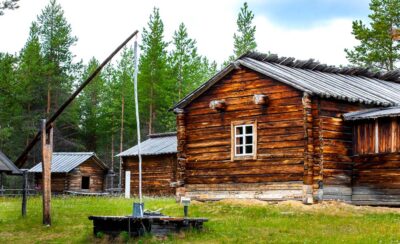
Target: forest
[
  {"x": 39, "y": 78},
  {"x": 35, "y": 81}
]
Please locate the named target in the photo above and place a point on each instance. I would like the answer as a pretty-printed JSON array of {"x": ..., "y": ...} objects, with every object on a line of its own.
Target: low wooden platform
[{"x": 157, "y": 225}]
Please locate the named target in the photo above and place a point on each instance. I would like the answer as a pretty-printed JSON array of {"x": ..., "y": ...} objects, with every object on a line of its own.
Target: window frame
[{"x": 243, "y": 124}]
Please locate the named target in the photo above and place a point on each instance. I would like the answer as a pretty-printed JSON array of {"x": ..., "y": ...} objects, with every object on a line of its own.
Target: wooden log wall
[
  {"x": 376, "y": 179},
  {"x": 58, "y": 182},
  {"x": 335, "y": 149},
  {"x": 277, "y": 172},
  {"x": 377, "y": 136},
  {"x": 158, "y": 172},
  {"x": 91, "y": 169}
]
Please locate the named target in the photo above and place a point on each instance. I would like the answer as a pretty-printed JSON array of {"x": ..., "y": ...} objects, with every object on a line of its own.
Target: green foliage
[
  {"x": 124, "y": 235},
  {"x": 155, "y": 88},
  {"x": 10, "y": 110},
  {"x": 100, "y": 235},
  {"x": 89, "y": 108},
  {"x": 244, "y": 39},
  {"x": 54, "y": 33},
  {"x": 376, "y": 48},
  {"x": 8, "y": 4},
  {"x": 34, "y": 83}
]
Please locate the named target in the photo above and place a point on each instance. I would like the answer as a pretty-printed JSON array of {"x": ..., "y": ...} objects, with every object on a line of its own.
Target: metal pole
[{"x": 137, "y": 120}]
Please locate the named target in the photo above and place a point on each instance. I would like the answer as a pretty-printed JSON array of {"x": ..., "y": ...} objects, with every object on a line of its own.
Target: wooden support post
[
  {"x": 308, "y": 190},
  {"x": 376, "y": 128},
  {"x": 24, "y": 191},
  {"x": 181, "y": 136},
  {"x": 47, "y": 153}
]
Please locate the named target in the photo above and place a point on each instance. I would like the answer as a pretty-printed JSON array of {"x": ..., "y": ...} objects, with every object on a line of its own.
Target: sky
[{"x": 319, "y": 29}]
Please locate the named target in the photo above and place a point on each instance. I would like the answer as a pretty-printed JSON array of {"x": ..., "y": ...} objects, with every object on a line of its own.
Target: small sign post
[{"x": 127, "y": 184}]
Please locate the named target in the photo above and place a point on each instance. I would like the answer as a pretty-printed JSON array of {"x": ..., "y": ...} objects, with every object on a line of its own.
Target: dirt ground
[{"x": 327, "y": 207}]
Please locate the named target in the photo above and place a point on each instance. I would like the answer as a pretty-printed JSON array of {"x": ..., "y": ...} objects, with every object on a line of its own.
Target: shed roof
[
  {"x": 349, "y": 84},
  {"x": 6, "y": 165},
  {"x": 156, "y": 144},
  {"x": 373, "y": 113},
  {"x": 64, "y": 162}
]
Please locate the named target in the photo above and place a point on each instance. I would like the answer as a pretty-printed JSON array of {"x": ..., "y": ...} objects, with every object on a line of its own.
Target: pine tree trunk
[
  {"x": 121, "y": 142},
  {"x": 151, "y": 111},
  {"x": 48, "y": 100}
]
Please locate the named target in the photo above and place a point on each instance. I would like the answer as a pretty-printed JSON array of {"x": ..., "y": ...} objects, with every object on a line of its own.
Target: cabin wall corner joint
[{"x": 181, "y": 147}]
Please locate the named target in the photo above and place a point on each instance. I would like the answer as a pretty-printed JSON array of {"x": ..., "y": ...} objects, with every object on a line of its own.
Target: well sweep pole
[{"x": 137, "y": 120}]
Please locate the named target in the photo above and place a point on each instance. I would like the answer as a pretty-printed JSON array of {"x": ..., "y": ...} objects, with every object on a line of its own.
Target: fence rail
[
  {"x": 17, "y": 192},
  {"x": 31, "y": 192}
]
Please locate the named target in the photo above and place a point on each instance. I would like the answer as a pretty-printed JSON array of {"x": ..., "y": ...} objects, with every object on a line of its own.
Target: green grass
[{"x": 229, "y": 222}]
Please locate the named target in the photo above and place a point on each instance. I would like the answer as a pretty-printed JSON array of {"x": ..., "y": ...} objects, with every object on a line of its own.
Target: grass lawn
[{"x": 229, "y": 222}]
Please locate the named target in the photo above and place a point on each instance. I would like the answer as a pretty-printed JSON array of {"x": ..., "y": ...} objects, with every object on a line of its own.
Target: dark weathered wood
[
  {"x": 24, "y": 191},
  {"x": 47, "y": 152},
  {"x": 156, "y": 225}
]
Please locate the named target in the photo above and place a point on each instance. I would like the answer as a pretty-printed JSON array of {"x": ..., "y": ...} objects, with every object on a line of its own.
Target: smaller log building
[
  {"x": 159, "y": 164},
  {"x": 74, "y": 172},
  {"x": 376, "y": 175}
]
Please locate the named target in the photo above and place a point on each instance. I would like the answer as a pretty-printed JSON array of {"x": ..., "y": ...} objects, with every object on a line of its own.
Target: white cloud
[
  {"x": 325, "y": 42},
  {"x": 102, "y": 25}
]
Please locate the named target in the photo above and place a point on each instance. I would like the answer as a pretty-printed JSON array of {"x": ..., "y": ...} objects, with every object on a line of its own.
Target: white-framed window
[{"x": 244, "y": 140}]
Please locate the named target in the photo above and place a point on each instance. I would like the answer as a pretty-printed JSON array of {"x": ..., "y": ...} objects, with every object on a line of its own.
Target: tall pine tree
[
  {"x": 31, "y": 75},
  {"x": 185, "y": 63},
  {"x": 244, "y": 39},
  {"x": 376, "y": 48},
  {"x": 89, "y": 101},
  {"x": 153, "y": 77},
  {"x": 56, "y": 39}
]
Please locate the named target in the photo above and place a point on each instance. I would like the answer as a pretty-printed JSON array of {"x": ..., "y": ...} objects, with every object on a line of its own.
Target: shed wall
[{"x": 158, "y": 172}]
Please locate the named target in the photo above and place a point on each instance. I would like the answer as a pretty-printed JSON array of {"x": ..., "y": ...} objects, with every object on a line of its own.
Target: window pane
[
  {"x": 249, "y": 139},
  {"x": 249, "y": 129},
  {"x": 239, "y": 150},
  {"x": 239, "y": 130},
  {"x": 239, "y": 140},
  {"x": 249, "y": 149}
]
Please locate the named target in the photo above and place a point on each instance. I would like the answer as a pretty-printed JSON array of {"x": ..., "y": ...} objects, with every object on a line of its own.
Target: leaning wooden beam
[
  {"x": 47, "y": 153},
  {"x": 22, "y": 158}
]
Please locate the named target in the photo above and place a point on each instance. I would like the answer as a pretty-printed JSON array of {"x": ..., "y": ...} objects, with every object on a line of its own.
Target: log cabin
[
  {"x": 273, "y": 128},
  {"x": 74, "y": 172},
  {"x": 158, "y": 164}
]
